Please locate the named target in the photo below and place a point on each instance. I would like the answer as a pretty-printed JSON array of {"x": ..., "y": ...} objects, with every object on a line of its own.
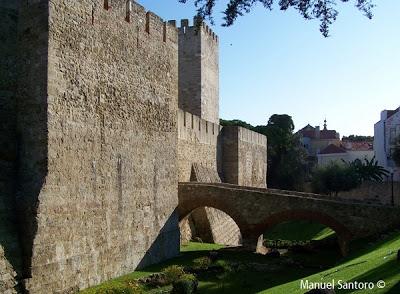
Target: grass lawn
[
  {"x": 298, "y": 231},
  {"x": 370, "y": 261}
]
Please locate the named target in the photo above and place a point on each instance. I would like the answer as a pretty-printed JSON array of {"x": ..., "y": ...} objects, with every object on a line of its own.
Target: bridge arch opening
[
  {"x": 317, "y": 228},
  {"x": 210, "y": 225}
]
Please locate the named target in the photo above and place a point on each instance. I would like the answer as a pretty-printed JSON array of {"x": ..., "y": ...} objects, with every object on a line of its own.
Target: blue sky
[{"x": 276, "y": 62}]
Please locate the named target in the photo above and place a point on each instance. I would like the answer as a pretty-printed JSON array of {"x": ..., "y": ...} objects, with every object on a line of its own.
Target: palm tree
[{"x": 368, "y": 170}]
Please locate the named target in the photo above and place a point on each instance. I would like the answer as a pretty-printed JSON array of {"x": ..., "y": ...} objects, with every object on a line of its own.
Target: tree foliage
[
  {"x": 236, "y": 122},
  {"x": 338, "y": 177},
  {"x": 368, "y": 170},
  {"x": 357, "y": 138},
  {"x": 334, "y": 178},
  {"x": 323, "y": 10},
  {"x": 286, "y": 156}
]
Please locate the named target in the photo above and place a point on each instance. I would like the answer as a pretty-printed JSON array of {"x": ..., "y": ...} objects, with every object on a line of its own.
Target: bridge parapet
[{"x": 255, "y": 210}]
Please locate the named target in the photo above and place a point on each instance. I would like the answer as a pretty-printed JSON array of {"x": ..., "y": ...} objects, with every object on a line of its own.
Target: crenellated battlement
[
  {"x": 252, "y": 137},
  {"x": 186, "y": 28},
  {"x": 191, "y": 127},
  {"x": 133, "y": 13}
]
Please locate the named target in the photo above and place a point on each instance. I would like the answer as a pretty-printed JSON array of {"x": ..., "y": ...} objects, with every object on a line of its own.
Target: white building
[
  {"x": 386, "y": 132},
  {"x": 347, "y": 151}
]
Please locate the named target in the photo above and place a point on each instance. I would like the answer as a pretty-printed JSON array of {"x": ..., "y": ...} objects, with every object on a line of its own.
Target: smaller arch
[
  {"x": 212, "y": 225},
  {"x": 185, "y": 208},
  {"x": 344, "y": 235}
]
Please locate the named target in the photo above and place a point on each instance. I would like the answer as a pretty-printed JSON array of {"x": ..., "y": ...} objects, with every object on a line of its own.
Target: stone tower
[{"x": 199, "y": 71}]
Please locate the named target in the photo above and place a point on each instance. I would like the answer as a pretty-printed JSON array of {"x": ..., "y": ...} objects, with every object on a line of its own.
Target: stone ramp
[
  {"x": 203, "y": 174},
  {"x": 209, "y": 224}
]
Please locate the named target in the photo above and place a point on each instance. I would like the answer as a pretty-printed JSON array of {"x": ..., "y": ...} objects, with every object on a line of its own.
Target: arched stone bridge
[{"x": 255, "y": 210}]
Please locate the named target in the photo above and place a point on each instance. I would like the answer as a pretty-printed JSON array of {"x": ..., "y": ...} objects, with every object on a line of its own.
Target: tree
[
  {"x": 368, "y": 170},
  {"x": 236, "y": 122},
  {"x": 322, "y": 10},
  {"x": 357, "y": 138},
  {"x": 334, "y": 178},
  {"x": 337, "y": 177},
  {"x": 286, "y": 156}
]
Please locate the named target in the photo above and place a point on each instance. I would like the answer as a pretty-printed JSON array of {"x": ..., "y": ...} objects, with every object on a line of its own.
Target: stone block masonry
[
  {"x": 244, "y": 157},
  {"x": 97, "y": 108},
  {"x": 197, "y": 144},
  {"x": 199, "y": 71},
  {"x": 207, "y": 149},
  {"x": 7, "y": 275},
  {"x": 93, "y": 144},
  {"x": 10, "y": 255}
]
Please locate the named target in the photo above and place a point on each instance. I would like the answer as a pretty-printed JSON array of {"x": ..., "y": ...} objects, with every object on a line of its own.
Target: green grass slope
[{"x": 370, "y": 261}]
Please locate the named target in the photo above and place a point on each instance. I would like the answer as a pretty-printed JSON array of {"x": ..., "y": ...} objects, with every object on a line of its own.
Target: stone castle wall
[
  {"x": 197, "y": 143},
  {"x": 210, "y": 75},
  {"x": 98, "y": 106},
  {"x": 199, "y": 71},
  {"x": 244, "y": 157},
  {"x": 7, "y": 275},
  {"x": 10, "y": 257},
  {"x": 205, "y": 144},
  {"x": 374, "y": 193},
  {"x": 89, "y": 95}
]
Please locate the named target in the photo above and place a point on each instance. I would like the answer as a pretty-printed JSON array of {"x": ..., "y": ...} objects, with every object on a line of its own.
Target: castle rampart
[
  {"x": 97, "y": 109},
  {"x": 93, "y": 143},
  {"x": 244, "y": 157},
  {"x": 197, "y": 144}
]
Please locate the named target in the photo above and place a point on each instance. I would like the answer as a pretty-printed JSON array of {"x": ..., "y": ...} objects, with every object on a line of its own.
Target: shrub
[
  {"x": 201, "y": 263},
  {"x": 173, "y": 273},
  {"x": 225, "y": 266},
  {"x": 187, "y": 284},
  {"x": 338, "y": 177},
  {"x": 335, "y": 178}
]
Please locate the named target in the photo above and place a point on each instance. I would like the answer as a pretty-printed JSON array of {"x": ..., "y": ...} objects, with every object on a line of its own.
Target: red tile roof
[
  {"x": 332, "y": 149},
  {"x": 310, "y": 132},
  {"x": 327, "y": 134},
  {"x": 358, "y": 146}
]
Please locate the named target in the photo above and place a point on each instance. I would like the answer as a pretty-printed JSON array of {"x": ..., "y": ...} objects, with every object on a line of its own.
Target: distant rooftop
[
  {"x": 315, "y": 133},
  {"x": 333, "y": 149},
  {"x": 358, "y": 146}
]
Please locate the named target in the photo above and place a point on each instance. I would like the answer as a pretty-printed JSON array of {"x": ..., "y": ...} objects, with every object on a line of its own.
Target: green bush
[
  {"x": 201, "y": 263},
  {"x": 335, "y": 178},
  {"x": 187, "y": 284},
  {"x": 173, "y": 273},
  {"x": 225, "y": 266}
]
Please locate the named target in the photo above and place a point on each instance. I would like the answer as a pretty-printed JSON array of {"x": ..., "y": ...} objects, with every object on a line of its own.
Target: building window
[{"x": 393, "y": 136}]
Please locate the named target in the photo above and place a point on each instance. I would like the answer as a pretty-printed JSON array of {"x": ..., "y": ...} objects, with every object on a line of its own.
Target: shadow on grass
[
  {"x": 395, "y": 289},
  {"x": 386, "y": 272},
  {"x": 367, "y": 245}
]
